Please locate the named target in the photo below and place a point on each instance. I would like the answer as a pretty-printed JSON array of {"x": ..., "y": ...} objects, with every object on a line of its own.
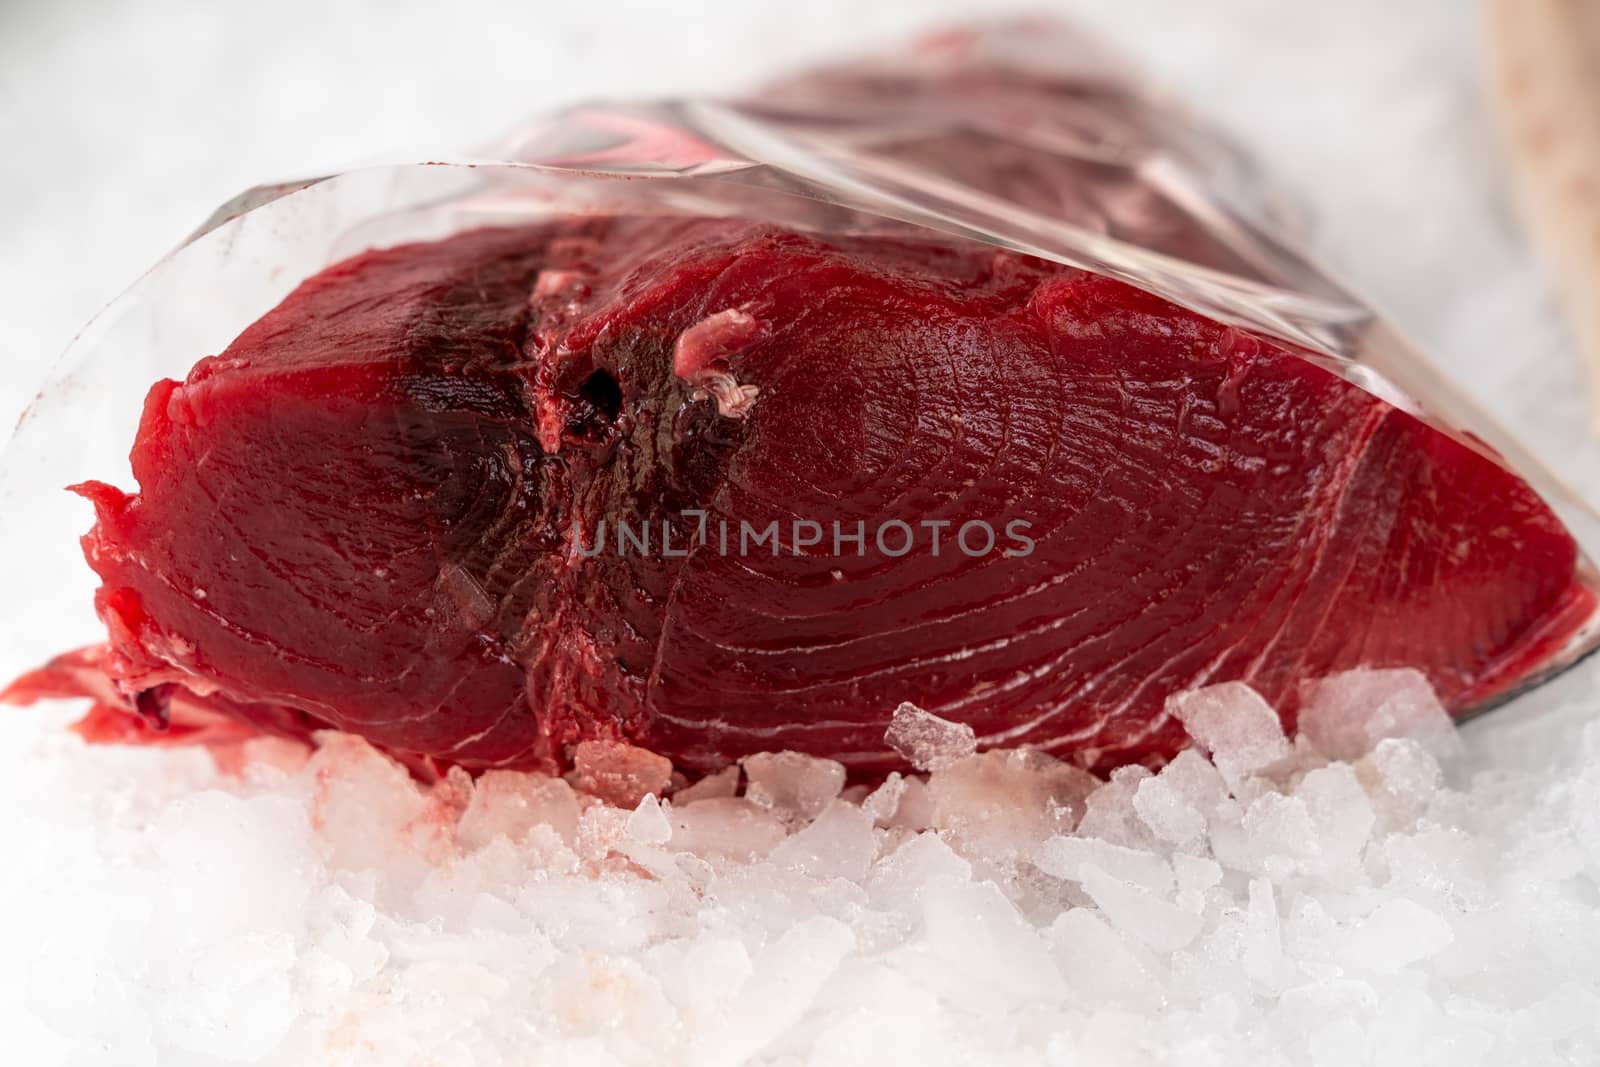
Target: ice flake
[
  {"x": 1396, "y": 934},
  {"x": 1232, "y": 722},
  {"x": 928, "y": 742},
  {"x": 840, "y": 843},
  {"x": 791, "y": 784},
  {"x": 1071, "y": 857},
  {"x": 1344, "y": 716},
  {"x": 511, "y": 804},
  {"x": 1140, "y": 913},
  {"x": 1166, "y": 811},
  {"x": 620, "y": 774},
  {"x": 648, "y": 824}
]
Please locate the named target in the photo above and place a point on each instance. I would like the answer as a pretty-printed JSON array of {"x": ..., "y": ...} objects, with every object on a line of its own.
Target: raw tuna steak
[{"x": 397, "y": 505}]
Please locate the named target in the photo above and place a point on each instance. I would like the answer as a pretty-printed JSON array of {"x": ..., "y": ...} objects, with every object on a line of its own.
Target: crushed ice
[
  {"x": 928, "y": 742},
  {"x": 1348, "y": 896}
]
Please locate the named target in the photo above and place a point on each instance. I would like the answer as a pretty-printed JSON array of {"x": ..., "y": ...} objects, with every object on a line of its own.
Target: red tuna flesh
[{"x": 380, "y": 509}]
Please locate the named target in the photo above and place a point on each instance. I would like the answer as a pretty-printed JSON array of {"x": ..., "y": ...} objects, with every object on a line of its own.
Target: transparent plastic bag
[{"x": 1108, "y": 177}]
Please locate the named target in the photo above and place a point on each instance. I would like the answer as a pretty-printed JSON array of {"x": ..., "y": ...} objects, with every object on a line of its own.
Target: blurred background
[{"x": 124, "y": 124}]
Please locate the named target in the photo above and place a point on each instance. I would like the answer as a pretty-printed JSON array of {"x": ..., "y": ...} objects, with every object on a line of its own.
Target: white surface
[{"x": 123, "y": 126}]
